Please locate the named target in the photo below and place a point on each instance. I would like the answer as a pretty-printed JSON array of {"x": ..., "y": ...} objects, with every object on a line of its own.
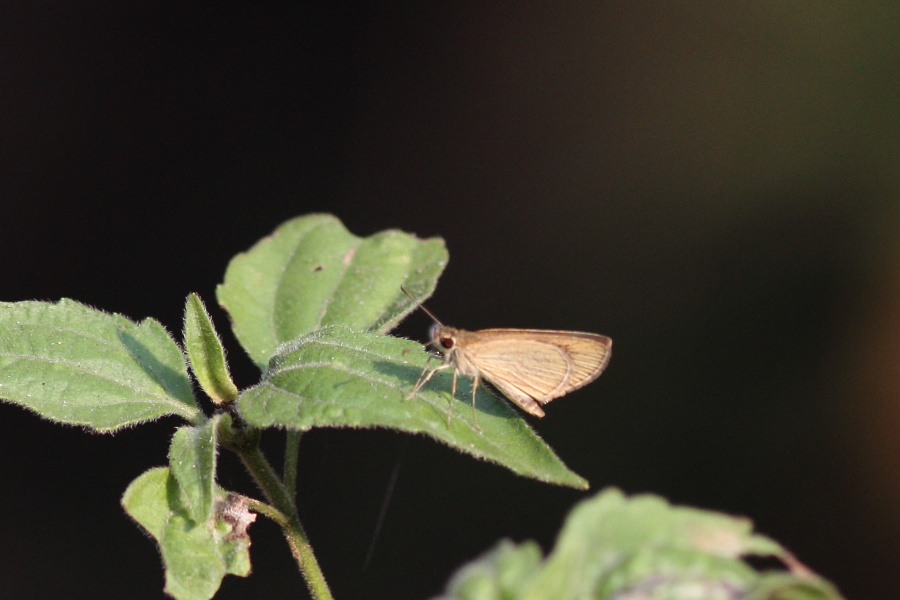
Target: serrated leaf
[
  {"x": 205, "y": 351},
  {"x": 196, "y": 555},
  {"x": 192, "y": 459},
  {"x": 336, "y": 377},
  {"x": 312, "y": 272},
  {"x": 74, "y": 364}
]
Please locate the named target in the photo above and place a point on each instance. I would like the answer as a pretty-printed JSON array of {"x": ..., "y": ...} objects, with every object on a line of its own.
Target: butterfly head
[{"x": 443, "y": 338}]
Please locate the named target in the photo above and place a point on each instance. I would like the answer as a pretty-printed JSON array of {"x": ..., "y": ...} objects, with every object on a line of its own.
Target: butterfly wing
[{"x": 532, "y": 366}]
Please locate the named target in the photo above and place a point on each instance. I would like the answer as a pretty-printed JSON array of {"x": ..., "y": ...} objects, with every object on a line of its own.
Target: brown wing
[{"x": 535, "y": 363}]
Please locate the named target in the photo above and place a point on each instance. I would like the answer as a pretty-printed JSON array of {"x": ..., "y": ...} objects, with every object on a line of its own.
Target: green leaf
[
  {"x": 613, "y": 547},
  {"x": 336, "y": 377},
  {"x": 192, "y": 459},
  {"x": 74, "y": 364},
  {"x": 196, "y": 555},
  {"x": 502, "y": 572},
  {"x": 205, "y": 351},
  {"x": 312, "y": 272},
  {"x": 787, "y": 586}
]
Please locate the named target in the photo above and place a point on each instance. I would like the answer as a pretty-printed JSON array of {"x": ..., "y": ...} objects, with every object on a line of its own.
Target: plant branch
[
  {"x": 291, "y": 452},
  {"x": 277, "y": 495},
  {"x": 267, "y": 510}
]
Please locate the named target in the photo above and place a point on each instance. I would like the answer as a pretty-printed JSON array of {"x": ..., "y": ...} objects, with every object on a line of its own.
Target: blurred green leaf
[
  {"x": 502, "y": 572},
  {"x": 336, "y": 377},
  {"x": 196, "y": 555},
  {"x": 312, "y": 272},
  {"x": 206, "y": 354},
  {"x": 640, "y": 548},
  {"x": 74, "y": 364},
  {"x": 786, "y": 586}
]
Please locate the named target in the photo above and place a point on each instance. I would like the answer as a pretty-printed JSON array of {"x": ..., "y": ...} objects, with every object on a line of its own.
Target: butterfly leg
[
  {"x": 452, "y": 396},
  {"x": 475, "y": 381},
  {"x": 426, "y": 375}
]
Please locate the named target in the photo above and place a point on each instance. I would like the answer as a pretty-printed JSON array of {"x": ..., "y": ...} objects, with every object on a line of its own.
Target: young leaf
[
  {"x": 192, "y": 459},
  {"x": 336, "y": 377},
  {"x": 613, "y": 547},
  {"x": 196, "y": 555},
  {"x": 74, "y": 364},
  {"x": 205, "y": 351},
  {"x": 312, "y": 272}
]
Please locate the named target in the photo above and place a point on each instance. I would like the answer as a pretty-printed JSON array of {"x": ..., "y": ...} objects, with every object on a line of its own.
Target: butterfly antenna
[{"x": 422, "y": 306}]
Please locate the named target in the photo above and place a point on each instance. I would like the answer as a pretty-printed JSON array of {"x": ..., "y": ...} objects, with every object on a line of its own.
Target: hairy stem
[
  {"x": 291, "y": 452},
  {"x": 277, "y": 495}
]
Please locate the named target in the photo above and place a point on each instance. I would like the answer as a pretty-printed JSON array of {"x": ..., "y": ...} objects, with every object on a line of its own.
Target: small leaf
[
  {"x": 196, "y": 555},
  {"x": 205, "y": 351},
  {"x": 336, "y": 377},
  {"x": 192, "y": 459},
  {"x": 74, "y": 364},
  {"x": 312, "y": 272},
  {"x": 194, "y": 568}
]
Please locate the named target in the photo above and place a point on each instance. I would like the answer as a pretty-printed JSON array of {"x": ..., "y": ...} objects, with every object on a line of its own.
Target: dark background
[{"x": 714, "y": 185}]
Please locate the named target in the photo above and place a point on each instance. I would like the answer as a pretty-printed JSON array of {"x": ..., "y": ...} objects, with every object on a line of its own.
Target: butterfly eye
[{"x": 447, "y": 342}]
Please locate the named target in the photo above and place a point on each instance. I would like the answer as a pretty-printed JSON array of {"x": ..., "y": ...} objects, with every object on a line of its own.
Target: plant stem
[
  {"x": 278, "y": 496},
  {"x": 267, "y": 510},
  {"x": 291, "y": 452}
]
